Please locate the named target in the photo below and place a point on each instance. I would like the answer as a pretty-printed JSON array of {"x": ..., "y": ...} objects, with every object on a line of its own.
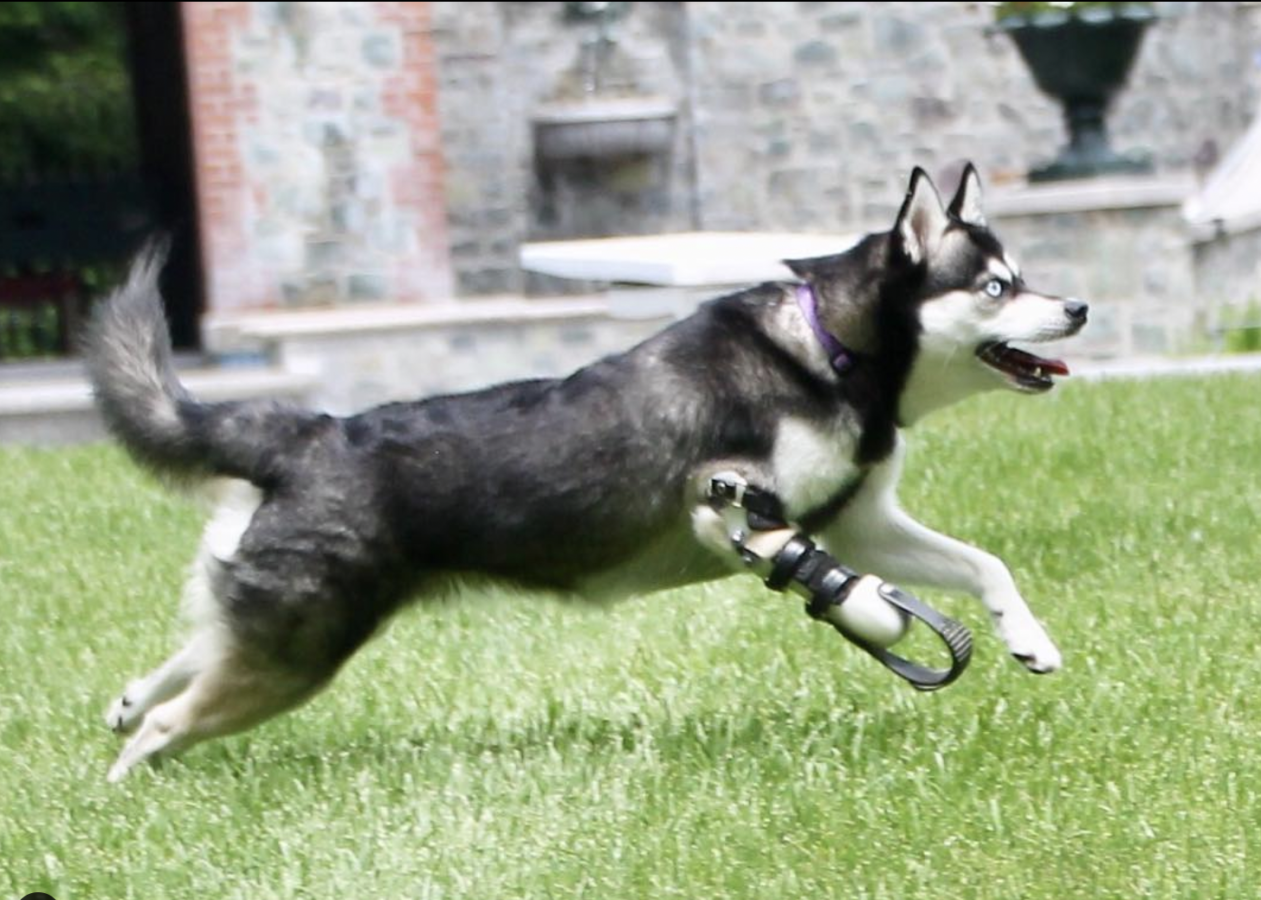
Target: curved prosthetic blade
[{"x": 955, "y": 636}]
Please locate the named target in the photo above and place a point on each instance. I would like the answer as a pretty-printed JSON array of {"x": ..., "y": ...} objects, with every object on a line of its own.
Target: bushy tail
[{"x": 128, "y": 352}]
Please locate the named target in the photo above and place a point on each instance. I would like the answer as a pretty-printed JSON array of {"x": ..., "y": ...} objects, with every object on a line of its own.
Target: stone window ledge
[{"x": 1089, "y": 195}]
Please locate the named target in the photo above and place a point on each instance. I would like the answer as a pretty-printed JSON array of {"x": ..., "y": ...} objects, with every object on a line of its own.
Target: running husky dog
[{"x": 591, "y": 484}]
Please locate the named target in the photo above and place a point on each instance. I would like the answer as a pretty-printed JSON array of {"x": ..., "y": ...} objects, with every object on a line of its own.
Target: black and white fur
[{"x": 590, "y": 485}]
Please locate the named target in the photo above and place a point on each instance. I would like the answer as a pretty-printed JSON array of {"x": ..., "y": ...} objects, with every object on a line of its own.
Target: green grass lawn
[{"x": 707, "y": 743}]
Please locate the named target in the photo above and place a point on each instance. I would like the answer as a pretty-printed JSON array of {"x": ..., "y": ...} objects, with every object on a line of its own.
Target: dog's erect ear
[
  {"x": 799, "y": 267},
  {"x": 802, "y": 268},
  {"x": 922, "y": 220},
  {"x": 966, "y": 206},
  {"x": 815, "y": 268}
]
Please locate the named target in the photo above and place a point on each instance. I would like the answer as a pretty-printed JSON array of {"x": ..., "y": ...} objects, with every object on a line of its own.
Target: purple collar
[{"x": 840, "y": 358}]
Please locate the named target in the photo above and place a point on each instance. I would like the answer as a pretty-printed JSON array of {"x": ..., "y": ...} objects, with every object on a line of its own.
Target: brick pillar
[{"x": 319, "y": 165}]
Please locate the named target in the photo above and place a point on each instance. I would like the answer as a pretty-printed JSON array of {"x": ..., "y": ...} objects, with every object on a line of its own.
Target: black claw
[{"x": 1026, "y": 660}]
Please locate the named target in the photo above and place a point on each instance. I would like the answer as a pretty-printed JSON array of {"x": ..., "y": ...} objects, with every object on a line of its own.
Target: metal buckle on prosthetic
[{"x": 755, "y": 524}]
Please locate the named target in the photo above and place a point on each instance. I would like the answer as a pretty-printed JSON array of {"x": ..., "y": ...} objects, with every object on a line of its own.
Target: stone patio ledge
[{"x": 281, "y": 323}]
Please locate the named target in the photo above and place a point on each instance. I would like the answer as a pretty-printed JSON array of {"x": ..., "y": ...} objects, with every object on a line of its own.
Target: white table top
[{"x": 687, "y": 259}]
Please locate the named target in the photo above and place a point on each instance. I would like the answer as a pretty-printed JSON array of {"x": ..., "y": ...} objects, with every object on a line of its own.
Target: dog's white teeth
[{"x": 1040, "y": 372}]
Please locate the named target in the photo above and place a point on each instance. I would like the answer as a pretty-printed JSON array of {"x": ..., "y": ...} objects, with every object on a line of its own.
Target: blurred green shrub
[{"x": 65, "y": 91}]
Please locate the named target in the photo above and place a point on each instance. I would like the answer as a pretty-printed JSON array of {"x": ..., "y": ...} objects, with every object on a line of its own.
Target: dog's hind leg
[
  {"x": 236, "y": 503},
  {"x": 163, "y": 683},
  {"x": 232, "y": 693},
  {"x": 272, "y": 655}
]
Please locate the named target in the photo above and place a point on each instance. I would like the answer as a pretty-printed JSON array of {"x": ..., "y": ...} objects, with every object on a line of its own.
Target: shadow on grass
[{"x": 707, "y": 737}]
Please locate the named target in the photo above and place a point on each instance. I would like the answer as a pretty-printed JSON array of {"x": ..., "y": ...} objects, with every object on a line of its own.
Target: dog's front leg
[
  {"x": 747, "y": 523},
  {"x": 878, "y": 536},
  {"x": 875, "y": 534}
]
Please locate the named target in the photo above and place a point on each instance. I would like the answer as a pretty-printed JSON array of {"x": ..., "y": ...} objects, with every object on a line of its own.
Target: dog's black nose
[{"x": 1076, "y": 310}]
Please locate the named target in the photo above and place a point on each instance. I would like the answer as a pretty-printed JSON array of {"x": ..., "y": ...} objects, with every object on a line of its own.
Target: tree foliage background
[{"x": 65, "y": 92}]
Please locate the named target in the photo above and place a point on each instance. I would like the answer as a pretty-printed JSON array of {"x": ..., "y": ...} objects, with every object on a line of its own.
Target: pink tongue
[{"x": 1027, "y": 360}]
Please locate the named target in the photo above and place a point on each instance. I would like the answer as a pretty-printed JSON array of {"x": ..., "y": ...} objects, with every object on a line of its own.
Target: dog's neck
[
  {"x": 840, "y": 358},
  {"x": 936, "y": 380}
]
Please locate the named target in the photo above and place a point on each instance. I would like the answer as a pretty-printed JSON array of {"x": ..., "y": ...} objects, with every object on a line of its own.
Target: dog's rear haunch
[{"x": 591, "y": 484}]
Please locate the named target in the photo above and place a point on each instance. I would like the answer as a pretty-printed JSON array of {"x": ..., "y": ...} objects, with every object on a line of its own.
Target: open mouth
[{"x": 1023, "y": 369}]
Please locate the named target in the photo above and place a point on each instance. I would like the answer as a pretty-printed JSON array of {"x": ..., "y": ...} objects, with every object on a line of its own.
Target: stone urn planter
[{"x": 1080, "y": 54}]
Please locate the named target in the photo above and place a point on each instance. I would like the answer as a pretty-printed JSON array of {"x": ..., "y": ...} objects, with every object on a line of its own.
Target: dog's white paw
[
  {"x": 124, "y": 714},
  {"x": 1028, "y": 642}
]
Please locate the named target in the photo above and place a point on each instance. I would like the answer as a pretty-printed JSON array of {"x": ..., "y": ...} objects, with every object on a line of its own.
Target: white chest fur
[{"x": 811, "y": 461}]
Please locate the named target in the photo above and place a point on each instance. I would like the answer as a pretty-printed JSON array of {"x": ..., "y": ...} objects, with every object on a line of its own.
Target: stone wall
[
  {"x": 319, "y": 163},
  {"x": 483, "y": 131},
  {"x": 811, "y": 114},
  {"x": 355, "y": 358},
  {"x": 1228, "y": 279},
  {"x": 1133, "y": 264},
  {"x": 498, "y": 63},
  {"x": 807, "y": 115}
]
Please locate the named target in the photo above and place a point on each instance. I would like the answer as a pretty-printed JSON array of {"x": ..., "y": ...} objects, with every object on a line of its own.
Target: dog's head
[
  {"x": 972, "y": 304},
  {"x": 942, "y": 303}
]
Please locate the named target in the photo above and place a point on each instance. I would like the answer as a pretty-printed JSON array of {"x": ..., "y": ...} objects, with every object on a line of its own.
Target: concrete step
[{"x": 52, "y": 405}]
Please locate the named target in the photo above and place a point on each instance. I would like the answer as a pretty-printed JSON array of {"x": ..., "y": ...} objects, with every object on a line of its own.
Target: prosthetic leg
[{"x": 788, "y": 560}]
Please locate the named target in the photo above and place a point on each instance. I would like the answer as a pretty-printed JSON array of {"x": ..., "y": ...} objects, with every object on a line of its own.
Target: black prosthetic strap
[
  {"x": 788, "y": 562},
  {"x": 828, "y": 582},
  {"x": 763, "y": 510},
  {"x": 797, "y": 561}
]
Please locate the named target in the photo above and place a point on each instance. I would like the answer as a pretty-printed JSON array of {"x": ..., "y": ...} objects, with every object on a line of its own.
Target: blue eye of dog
[{"x": 995, "y": 287}]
